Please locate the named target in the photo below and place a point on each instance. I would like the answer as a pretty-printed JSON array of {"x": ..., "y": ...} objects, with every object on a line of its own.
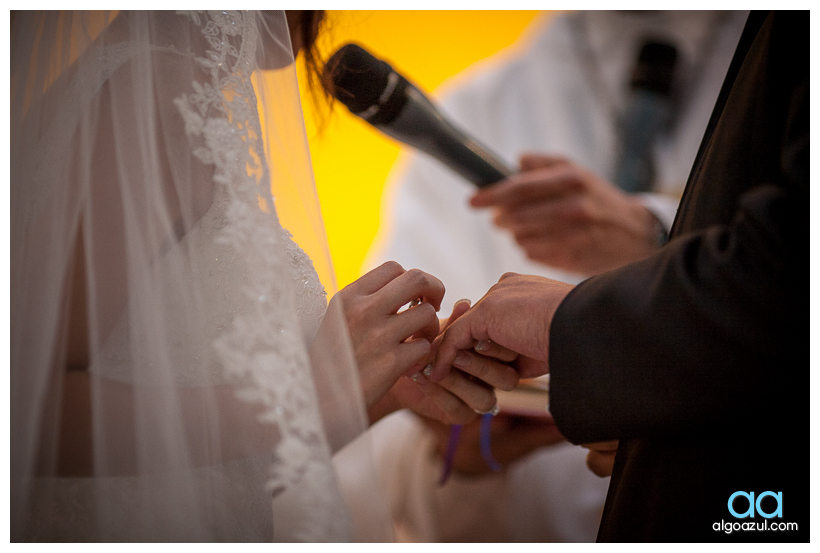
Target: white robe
[{"x": 534, "y": 98}]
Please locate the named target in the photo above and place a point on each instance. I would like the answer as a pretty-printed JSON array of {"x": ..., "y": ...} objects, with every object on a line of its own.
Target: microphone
[
  {"x": 374, "y": 91},
  {"x": 648, "y": 112}
]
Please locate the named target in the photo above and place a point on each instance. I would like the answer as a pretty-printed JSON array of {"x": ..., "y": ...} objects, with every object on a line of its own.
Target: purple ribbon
[
  {"x": 486, "y": 450},
  {"x": 455, "y": 434}
]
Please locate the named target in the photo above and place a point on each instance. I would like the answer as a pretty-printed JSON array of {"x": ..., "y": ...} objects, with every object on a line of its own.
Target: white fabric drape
[{"x": 175, "y": 373}]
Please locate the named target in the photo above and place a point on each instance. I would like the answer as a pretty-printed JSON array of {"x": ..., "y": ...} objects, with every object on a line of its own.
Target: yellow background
[{"x": 351, "y": 160}]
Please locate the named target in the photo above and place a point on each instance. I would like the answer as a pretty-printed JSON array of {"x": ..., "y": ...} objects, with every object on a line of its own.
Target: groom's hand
[
  {"x": 601, "y": 457},
  {"x": 515, "y": 315},
  {"x": 462, "y": 393}
]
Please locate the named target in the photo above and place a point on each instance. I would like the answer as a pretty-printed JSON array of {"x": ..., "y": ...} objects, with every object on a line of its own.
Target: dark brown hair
[{"x": 307, "y": 26}]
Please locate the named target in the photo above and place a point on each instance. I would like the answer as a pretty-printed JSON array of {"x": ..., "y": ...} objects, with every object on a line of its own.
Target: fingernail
[
  {"x": 482, "y": 345},
  {"x": 428, "y": 370},
  {"x": 462, "y": 360},
  {"x": 465, "y": 300}
]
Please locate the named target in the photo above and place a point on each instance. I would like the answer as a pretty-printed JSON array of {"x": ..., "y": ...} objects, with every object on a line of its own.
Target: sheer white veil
[{"x": 167, "y": 379}]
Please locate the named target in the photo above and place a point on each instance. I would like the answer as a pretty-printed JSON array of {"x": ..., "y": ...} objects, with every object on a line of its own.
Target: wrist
[{"x": 382, "y": 407}]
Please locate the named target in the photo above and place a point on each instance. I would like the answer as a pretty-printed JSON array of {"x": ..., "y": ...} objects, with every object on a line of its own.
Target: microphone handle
[{"x": 422, "y": 126}]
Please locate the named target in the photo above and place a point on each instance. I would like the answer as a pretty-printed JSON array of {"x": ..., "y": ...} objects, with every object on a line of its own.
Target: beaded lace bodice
[{"x": 262, "y": 303}]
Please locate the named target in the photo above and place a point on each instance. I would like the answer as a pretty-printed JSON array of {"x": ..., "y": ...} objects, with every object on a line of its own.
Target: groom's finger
[
  {"x": 491, "y": 349},
  {"x": 459, "y": 336},
  {"x": 479, "y": 397},
  {"x": 450, "y": 409},
  {"x": 498, "y": 375}
]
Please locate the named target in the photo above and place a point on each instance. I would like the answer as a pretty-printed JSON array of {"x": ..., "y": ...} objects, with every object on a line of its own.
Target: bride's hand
[
  {"x": 386, "y": 343},
  {"x": 457, "y": 398}
]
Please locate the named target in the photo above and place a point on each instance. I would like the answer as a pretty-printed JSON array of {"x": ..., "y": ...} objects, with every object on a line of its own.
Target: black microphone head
[
  {"x": 655, "y": 67},
  {"x": 368, "y": 86}
]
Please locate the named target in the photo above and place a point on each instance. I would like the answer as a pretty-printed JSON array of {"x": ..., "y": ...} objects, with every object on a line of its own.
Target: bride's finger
[
  {"x": 496, "y": 374},
  {"x": 432, "y": 332},
  {"x": 489, "y": 348},
  {"x": 375, "y": 280},
  {"x": 419, "y": 321},
  {"x": 409, "y": 286},
  {"x": 410, "y": 357}
]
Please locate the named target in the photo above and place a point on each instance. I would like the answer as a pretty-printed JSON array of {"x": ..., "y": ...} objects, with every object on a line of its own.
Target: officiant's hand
[
  {"x": 466, "y": 391},
  {"x": 565, "y": 216},
  {"x": 388, "y": 343},
  {"x": 514, "y": 315},
  {"x": 512, "y": 437}
]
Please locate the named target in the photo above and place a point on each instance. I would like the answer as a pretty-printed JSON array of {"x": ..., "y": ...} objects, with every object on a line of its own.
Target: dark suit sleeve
[
  {"x": 704, "y": 335},
  {"x": 689, "y": 339}
]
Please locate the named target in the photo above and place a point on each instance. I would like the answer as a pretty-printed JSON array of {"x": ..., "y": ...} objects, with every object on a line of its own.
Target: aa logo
[{"x": 747, "y": 500}]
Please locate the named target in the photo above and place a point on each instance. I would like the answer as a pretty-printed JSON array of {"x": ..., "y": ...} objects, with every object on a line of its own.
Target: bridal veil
[{"x": 176, "y": 373}]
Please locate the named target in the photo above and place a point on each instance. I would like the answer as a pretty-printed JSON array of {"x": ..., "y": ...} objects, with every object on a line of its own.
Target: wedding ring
[{"x": 494, "y": 411}]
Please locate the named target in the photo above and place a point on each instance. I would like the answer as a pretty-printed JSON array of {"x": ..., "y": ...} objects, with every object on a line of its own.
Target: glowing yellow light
[{"x": 350, "y": 159}]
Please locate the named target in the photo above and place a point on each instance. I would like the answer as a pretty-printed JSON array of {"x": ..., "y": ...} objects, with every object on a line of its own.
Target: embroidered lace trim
[{"x": 263, "y": 343}]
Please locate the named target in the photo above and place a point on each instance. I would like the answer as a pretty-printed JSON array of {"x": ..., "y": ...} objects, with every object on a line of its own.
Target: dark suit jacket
[{"x": 694, "y": 358}]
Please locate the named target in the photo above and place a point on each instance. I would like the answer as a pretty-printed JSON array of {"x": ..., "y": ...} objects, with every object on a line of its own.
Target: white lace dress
[{"x": 258, "y": 305}]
